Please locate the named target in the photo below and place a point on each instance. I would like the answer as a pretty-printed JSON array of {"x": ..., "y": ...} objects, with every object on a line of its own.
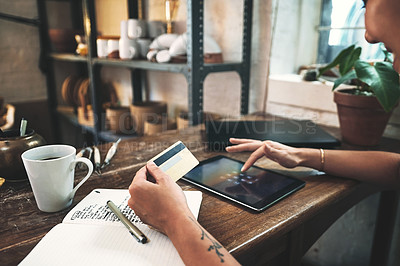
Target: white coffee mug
[
  {"x": 112, "y": 46},
  {"x": 51, "y": 171},
  {"x": 137, "y": 28},
  {"x": 124, "y": 29},
  {"x": 128, "y": 48},
  {"x": 102, "y": 50}
]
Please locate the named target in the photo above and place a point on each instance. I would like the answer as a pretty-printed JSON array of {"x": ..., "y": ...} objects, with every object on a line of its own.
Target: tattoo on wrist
[{"x": 214, "y": 244}]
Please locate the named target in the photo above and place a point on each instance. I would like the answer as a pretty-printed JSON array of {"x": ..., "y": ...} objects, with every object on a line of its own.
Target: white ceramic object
[
  {"x": 102, "y": 50},
  {"x": 124, "y": 29},
  {"x": 51, "y": 172},
  {"x": 144, "y": 45},
  {"x": 128, "y": 48},
  {"x": 163, "y": 41},
  {"x": 151, "y": 55},
  {"x": 178, "y": 47},
  {"x": 112, "y": 46},
  {"x": 137, "y": 28},
  {"x": 211, "y": 46},
  {"x": 163, "y": 56}
]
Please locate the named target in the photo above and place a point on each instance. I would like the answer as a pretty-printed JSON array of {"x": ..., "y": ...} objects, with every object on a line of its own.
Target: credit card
[{"x": 176, "y": 161}]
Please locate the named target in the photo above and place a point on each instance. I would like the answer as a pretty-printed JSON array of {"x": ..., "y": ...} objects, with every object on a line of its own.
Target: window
[
  {"x": 315, "y": 31},
  {"x": 341, "y": 25}
]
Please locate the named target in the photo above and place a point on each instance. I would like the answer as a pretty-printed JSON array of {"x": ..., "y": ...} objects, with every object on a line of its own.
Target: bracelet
[{"x": 322, "y": 153}]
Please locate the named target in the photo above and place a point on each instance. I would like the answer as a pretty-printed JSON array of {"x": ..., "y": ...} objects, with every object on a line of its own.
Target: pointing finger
[{"x": 253, "y": 158}]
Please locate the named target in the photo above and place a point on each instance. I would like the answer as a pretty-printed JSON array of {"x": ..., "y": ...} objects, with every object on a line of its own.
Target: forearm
[
  {"x": 369, "y": 166},
  {"x": 195, "y": 245}
]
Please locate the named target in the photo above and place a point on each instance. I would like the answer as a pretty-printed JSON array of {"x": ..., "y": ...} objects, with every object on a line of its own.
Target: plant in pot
[{"x": 364, "y": 108}]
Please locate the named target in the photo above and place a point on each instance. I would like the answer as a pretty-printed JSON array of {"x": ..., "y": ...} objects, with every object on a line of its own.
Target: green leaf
[
  {"x": 383, "y": 81},
  {"x": 349, "y": 61},
  {"x": 388, "y": 55},
  {"x": 338, "y": 60},
  {"x": 348, "y": 76}
]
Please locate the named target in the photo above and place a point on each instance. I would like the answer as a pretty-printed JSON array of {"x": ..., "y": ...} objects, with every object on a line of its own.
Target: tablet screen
[{"x": 256, "y": 188}]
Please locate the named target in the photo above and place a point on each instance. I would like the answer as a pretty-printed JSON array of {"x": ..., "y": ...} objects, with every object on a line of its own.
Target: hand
[
  {"x": 157, "y": 204},
  {"x": 284, "y": 155}
]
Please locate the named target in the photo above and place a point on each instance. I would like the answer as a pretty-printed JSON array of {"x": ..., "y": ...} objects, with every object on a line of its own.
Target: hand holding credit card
[{"x": 175, "y": 161}]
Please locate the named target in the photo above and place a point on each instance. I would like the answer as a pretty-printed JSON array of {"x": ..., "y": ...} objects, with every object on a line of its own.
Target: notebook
[
  {"x": 296, "y": 133},
  {"x": 90, "y": 234}
]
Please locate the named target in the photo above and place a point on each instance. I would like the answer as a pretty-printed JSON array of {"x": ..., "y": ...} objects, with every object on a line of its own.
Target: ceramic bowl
[{"x": 143, "y": 111}]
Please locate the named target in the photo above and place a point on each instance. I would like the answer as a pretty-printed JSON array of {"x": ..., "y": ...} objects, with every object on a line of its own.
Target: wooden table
[{"x": 280, "y": 235}]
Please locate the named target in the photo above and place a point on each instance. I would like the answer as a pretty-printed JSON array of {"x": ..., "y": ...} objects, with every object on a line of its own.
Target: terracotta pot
[
  {"x": 362, "y": 118},
  {"x": 158, "y": 125},
  {"x": 119, "y": 120},
  {"x": 11, "y": 147},
  {"x": 144, "y": 111},
  {"x": 182, "y": 120}
]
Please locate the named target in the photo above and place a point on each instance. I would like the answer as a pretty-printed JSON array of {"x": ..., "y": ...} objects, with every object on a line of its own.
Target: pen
[{"x": 133, "y": 230}]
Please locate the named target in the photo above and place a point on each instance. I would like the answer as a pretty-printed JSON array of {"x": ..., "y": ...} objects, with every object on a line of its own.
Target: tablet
[{"x": 257, "y": 188}]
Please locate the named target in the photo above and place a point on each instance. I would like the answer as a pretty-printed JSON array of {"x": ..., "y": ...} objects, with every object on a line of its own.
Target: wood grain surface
[{"x": 280, "y": 234}]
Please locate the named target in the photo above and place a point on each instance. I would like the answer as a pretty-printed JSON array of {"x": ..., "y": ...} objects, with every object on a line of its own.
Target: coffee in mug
[{"x": 50, "y": 158}]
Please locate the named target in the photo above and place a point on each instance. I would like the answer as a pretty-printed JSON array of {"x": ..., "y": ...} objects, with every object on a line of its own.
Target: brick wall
[{"x": 20, "y": 77}]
